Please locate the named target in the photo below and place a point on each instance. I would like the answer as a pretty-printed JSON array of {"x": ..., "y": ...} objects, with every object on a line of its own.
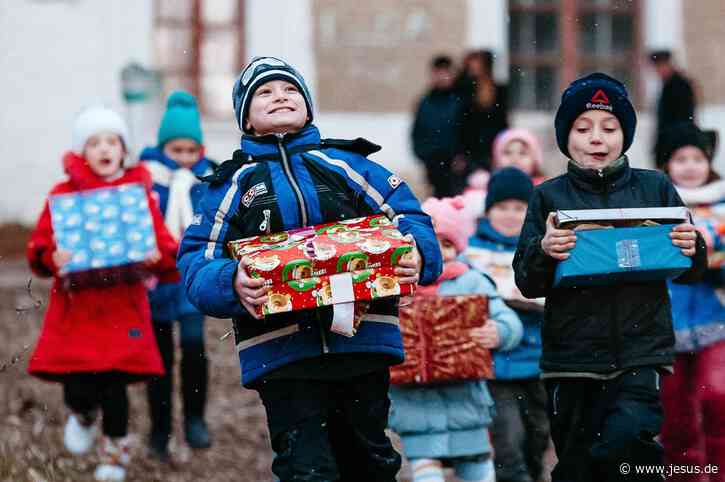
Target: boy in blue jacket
[
  {"x": 174, "y": 163},
  {"x": 325, "y": 394}
]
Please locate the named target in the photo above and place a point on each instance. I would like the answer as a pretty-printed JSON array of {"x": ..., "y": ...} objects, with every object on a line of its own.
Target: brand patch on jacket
[
  {"x": 254, "y": 191},
  {"x": 394, "y": 181}
]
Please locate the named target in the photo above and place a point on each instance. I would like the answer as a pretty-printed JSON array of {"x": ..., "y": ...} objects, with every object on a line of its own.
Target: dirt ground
[{"x": 32, "y": 414}]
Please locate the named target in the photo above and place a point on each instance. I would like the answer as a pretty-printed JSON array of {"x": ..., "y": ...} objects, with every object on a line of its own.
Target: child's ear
[{"x": 248, "y": 126}]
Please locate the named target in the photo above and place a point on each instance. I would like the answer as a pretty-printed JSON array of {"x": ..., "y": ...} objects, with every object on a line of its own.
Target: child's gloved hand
[
  {"x": 486, "y": 335},
  {"x": 251, "y": 291},
  {"x": 61, "y": 257},
  {"x": 409, "y": 266},
  {"x": 684, "y": 236},
  {"x": 557, "y": 242}
]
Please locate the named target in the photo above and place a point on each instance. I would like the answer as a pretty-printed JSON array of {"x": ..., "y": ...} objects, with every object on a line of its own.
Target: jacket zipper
[
  {"x": 325, "y": 348},
  {"x": 291, "y": 178},
  {"x": 614, "y": 332}
]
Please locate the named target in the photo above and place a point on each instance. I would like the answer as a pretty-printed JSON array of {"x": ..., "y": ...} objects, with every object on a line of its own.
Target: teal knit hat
[{"x": 181, "y": 119}]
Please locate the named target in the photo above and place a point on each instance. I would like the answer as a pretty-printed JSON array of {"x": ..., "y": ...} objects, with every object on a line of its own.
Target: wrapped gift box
[
  {"x": 437, "y": 341},
  {"x": 608, "y": 254},
  {"x": 103, "y": 228},
  {"x": 326, "y": 264}
]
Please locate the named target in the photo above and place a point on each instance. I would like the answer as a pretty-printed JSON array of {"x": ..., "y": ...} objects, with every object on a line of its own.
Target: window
[
  {"x": 553, "y": 41},
  {"x": 199, "y": 48}
]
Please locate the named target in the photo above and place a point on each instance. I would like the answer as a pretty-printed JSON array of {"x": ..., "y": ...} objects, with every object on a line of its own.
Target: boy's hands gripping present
[
  {"x": 251, "y": 291},
  {"x": 557, "y": 242},
  {"x": 684, "y": 236},
  {"x": 409, "y": 266}
]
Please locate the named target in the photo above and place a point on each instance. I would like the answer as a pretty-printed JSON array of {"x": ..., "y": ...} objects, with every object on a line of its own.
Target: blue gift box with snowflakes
[{"x": 103, "y": 228}]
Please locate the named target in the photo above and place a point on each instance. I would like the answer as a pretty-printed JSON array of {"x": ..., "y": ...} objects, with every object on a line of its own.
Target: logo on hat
[{"x": 599, "y": 101}]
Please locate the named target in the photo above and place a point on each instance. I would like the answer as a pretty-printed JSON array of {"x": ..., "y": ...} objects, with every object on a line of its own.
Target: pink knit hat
[
  {"x": 450, "y": 221},
  {"x": 518, "y": 134}
]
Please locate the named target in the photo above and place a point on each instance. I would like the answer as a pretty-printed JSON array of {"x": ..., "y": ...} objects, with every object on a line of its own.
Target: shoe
[
  {"x": 197, "y": 433},
  {"x": 159, "y": 447},
  {"x": 79, "y": 434},
  {"x": 114, "y": 458},
  {"x": 109, "y": 473}
]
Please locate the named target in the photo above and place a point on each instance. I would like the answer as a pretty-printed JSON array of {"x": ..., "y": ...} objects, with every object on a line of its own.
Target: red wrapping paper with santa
[
  {"x": 349, "y": 260},
  {"x": 438, "y": 345}
]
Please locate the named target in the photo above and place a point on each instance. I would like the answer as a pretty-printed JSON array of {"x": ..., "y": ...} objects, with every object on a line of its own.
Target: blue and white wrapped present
[
  {"x": 612, "y": 255},
  {"x": 103, "y": 228}
]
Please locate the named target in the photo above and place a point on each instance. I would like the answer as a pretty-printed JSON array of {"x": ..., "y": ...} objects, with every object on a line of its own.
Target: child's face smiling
[
  {"x": 185, "y": 152},
  {"x": 507, "y": 216},
  {"x": 277, "y": 107},
  {"x": 104, "y": 153},
  {"x": 596, "y": 139},
  {"x": 516, "y": 154},
  {"x": 688, "y": 167}
]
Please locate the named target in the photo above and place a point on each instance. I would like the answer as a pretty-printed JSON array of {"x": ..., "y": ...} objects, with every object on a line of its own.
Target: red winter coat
[{"x": 96, "y": 329}]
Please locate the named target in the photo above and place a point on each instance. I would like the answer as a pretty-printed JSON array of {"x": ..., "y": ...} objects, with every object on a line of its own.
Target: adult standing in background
[
  {"x": 487, "y": 111},
  {"x": 677, "y": 98},
  {"x": 436, "y": 133}
]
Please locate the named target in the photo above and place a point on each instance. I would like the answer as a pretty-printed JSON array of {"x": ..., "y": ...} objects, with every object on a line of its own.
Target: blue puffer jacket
[
  {"x": 168, "y": 300},
  {"x": 452, "y": 420},
  {"x": 492, "y": 253},
  {"x": 698, "y": 313},
  {"x": 277, "y": 183}
]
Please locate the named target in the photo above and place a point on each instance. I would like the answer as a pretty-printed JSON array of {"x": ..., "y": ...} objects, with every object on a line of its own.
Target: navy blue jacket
[
  {"x": 277, "y": 183},
  {"x": 168, "y": 300}
]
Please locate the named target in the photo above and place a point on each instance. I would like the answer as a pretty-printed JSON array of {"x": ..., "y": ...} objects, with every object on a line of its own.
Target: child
[
  {"x": 174, "y": 164},
  {"x": 518, "y": 148},
  {"x": 520, "y": 429},
  {"x": 325, "y": 394},
  {"x": 512, "y": 147},
  {"x": 449, "y": 423},
  {"x": 96, "y": 340},
  {"x": 603, "y": 347},
  {"x": 693, "y": 433}
]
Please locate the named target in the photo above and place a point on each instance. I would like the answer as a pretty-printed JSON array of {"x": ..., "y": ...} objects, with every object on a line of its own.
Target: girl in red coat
[{"x": 97, "y": 334}]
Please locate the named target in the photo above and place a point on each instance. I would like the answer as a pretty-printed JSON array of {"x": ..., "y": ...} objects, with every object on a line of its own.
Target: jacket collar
[
  {"x": 156, "y": 154},
  {"x": 487, "y": 232},
  {"x": 611, "y": 178},
  {"x": 268, "y": 145},
  {"x": 82, "y": 177}
]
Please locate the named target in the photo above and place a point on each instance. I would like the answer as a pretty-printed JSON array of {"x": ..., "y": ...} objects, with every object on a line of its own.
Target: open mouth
[
  {"x": 280, "y": 110},
  {"x": 106, "y": 162},
  {"x": 599, "y": 156}
]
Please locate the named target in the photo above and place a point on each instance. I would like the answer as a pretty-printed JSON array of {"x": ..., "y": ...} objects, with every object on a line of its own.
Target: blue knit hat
[
  {"x": 181, "y": 119},
  {"x": 260, "y": 71},
  {"x": 596, "y": 91},
  {"x": 509, "y": 183}
]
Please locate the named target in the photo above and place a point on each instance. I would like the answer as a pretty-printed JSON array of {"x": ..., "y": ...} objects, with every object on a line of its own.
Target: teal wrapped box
[{"x": 622, "y": 255}]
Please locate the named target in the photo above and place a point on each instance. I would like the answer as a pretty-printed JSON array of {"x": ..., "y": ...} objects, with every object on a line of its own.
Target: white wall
[{"x": 58, "y": 56}]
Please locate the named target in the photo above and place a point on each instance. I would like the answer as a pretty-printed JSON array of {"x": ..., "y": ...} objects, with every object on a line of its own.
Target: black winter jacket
[{"x": 609, "y": 328}]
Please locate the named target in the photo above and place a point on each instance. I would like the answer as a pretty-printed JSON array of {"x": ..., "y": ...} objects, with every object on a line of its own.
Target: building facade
[{"x": 365, "y": 62}]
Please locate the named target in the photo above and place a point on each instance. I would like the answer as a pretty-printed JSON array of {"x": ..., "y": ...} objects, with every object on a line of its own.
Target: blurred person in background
[{"x": 437, "y": 130}]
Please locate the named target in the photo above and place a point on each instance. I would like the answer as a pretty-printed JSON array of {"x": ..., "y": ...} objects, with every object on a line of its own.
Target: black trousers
[
  {"x": 86, "y": 393},
  {"x": 330, "y": 430},
  {"x": 600, "y": 427},
  {"x": 194, "y": 376},
  {"x": 520, "y": 429}
]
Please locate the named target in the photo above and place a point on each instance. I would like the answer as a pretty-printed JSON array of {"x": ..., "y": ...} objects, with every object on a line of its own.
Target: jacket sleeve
[
  {"x": 207, "y": 274},
  {"x": 166, "y": 244},
  {"x": 509, "y": 326},
  {"x": 699, "y": 260},
  {"x": 41, "y": 246},
  {"x": 386, "y": 192},
  {"x": 534, "y": 269}
]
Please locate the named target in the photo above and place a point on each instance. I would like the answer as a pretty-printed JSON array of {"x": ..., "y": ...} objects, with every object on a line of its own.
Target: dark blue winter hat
[
  {"x": 596, "y": 91},
  {"x": 509, "y": 183},
  {"x": 259, "y": 71}
]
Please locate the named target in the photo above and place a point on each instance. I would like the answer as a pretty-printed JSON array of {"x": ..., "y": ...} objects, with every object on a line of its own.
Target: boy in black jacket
[{"x": 604, "y": 348}]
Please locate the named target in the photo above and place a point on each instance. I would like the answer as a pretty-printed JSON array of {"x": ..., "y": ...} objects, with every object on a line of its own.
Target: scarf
[
  {"x": 451, "y": 270},
  {"x": 179, "y": 209}
]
